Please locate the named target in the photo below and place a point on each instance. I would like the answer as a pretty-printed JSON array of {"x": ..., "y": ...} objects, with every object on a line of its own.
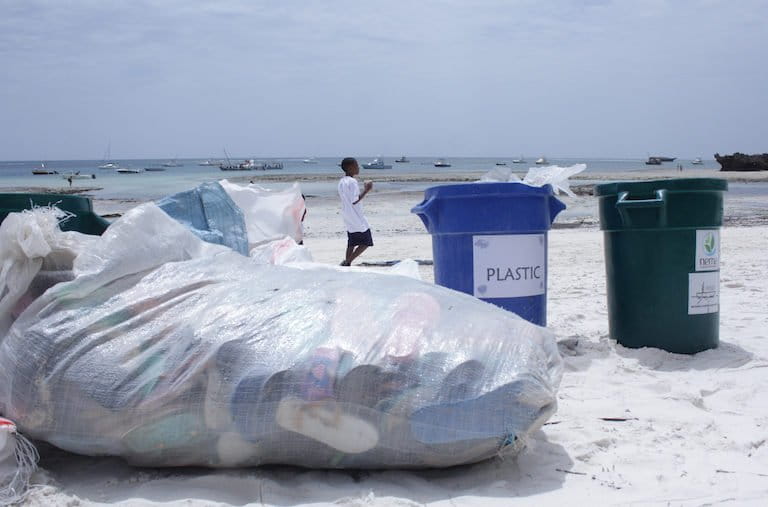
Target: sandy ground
[{"x": 693, "y": 429}]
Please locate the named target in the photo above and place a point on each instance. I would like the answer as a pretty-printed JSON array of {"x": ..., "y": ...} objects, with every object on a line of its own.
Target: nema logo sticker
[{"x": 710, "y": 245}]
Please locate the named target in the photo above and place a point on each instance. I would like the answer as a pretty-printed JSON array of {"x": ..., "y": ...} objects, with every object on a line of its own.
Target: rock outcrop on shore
[{"x": 742, "y": 162}]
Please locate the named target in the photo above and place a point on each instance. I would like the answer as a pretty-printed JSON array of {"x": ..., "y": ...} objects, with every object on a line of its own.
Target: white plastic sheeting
[{"x": 553, "y": 175}]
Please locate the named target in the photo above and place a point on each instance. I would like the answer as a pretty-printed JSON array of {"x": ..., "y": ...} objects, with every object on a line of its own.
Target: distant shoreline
[{"x": 433, "y": 177}]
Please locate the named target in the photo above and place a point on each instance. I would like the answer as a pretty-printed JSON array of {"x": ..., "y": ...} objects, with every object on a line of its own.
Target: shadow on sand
[
  {"x": 726, "y": 356},
  {"x": 539, "y": 468}
]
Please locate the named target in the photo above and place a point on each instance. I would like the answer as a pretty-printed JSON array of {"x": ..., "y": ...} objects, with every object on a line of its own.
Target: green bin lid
[{"x": 651, "y": 186}]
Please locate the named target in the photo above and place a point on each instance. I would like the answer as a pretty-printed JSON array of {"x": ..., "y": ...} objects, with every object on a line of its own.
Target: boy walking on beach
[{"x": 358, "y": 231}]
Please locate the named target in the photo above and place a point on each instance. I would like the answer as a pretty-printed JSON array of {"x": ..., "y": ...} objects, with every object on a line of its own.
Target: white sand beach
[{"x": 639, "y": 427}]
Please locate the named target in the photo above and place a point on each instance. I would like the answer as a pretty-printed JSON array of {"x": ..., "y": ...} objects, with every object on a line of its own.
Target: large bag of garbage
[{"x": 167, "y": 350}]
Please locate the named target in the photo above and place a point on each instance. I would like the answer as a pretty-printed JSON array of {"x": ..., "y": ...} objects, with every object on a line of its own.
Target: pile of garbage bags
[{"x": 167, "y": 350}]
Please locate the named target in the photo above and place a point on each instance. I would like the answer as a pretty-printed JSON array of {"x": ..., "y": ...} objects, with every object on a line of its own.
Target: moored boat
[
  {"x": 42, "y": 171},
  {"x": 442, "y": 163},
  {"x": 246, "y": 165},
  {"x": 377, "y": 163}
]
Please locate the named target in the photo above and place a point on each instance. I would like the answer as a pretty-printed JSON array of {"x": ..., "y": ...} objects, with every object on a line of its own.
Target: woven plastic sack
[
  {"x": 34, "y": 255},
  {"x": 210, "y": 214},
  {"x": 166, "y": 351}
]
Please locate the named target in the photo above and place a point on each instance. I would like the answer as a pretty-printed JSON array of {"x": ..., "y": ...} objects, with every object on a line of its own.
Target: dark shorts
[{"x": 359, "y": 238}]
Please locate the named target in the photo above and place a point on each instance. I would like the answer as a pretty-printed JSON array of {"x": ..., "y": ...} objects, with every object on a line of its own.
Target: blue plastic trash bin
[{"x": 490, "y": 240}]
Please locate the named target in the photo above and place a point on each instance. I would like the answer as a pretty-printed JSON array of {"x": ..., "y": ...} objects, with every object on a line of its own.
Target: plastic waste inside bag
[
  {"x": 169, "y": 351},
  {"x": 269, "y": 214},
  {"x": 34, "y": 255},
  {"x": 18, "y": 461},
  {"x": 554, "y": 175}
]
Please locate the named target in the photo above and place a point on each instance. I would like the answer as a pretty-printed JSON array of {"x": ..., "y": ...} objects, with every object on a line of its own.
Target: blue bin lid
[
  {"x": 651, "y": 186},
  {"x": 484, "y": 189},
  {"x": 488, "y": 208}
]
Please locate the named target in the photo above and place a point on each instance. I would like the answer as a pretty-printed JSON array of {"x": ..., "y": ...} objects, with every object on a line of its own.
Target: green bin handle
[{"x": 624, "y": 205}]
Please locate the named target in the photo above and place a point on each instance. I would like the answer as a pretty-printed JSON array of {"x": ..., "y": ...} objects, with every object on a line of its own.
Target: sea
[{"x": 108, "y": 184}]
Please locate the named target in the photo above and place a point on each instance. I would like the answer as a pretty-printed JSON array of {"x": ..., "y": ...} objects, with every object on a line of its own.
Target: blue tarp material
[{"x": 209, "y": 213}]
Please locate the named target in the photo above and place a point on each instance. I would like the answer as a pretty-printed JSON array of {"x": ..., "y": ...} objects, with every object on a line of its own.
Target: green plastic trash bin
[
  {"x": 84, "y": 219},
  {"x": 662, "y": 261}
]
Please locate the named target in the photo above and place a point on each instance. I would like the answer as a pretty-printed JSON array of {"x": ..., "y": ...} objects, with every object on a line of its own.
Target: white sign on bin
[{"x": 509, "y": 265}]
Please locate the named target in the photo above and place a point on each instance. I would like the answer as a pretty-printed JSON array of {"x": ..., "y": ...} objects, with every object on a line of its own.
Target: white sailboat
[
  {"x": 109, "y": 164},
  {"x": 542, "y": 161}
]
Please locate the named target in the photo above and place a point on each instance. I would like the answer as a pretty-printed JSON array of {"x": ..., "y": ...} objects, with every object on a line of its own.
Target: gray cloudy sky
[{"x": 589, "y": 78}]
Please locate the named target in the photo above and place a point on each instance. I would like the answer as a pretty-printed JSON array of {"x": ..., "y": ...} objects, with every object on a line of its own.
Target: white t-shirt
[{"x": 352, "y": 214}]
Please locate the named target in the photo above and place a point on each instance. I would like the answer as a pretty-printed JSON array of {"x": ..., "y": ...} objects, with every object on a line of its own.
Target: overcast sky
[{"x": 585, "y": 78}]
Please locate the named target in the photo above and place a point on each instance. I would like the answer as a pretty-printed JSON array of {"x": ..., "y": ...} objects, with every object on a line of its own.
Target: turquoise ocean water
[{"x": 153, "y": 185}]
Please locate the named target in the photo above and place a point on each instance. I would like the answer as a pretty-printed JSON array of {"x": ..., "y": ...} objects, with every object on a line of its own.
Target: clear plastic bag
[{"x": 169, "y": 351}]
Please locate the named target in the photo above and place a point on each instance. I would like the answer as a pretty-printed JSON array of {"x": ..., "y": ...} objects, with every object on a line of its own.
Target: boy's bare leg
[
  {"x": 356, "y": 253},
  {"x": 350, "y": 251}
]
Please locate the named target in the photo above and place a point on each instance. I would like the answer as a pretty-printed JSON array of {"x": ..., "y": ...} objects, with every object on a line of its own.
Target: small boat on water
[
  {"x": 129, "y": 170},
  {"x": 377, "y": 163},
  {"x": 402, "y": 160},
  {"x": 246, "y": 165},
  {"x": 501, "y": 163},
  {"x": 309, "y": 161},
  {"x": 272, "y": 166},
  {"x": 520, "y": 160},
  {"x": 173, "y": 163},
  {"x": 210, "y": 162},
  {"x": 442, "y": 163},
  {"x": 542, "y": 161},
  {"x": 653, "y": 161},
  {"x": 697, "y": 161},
  {"x": 42, "y": 171},
  {"x": 665, "y": 159},
  {"x": 78, "y": 176},
  {"x": 107, "y": 162},
  {"x": 154, "y": 169}
]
